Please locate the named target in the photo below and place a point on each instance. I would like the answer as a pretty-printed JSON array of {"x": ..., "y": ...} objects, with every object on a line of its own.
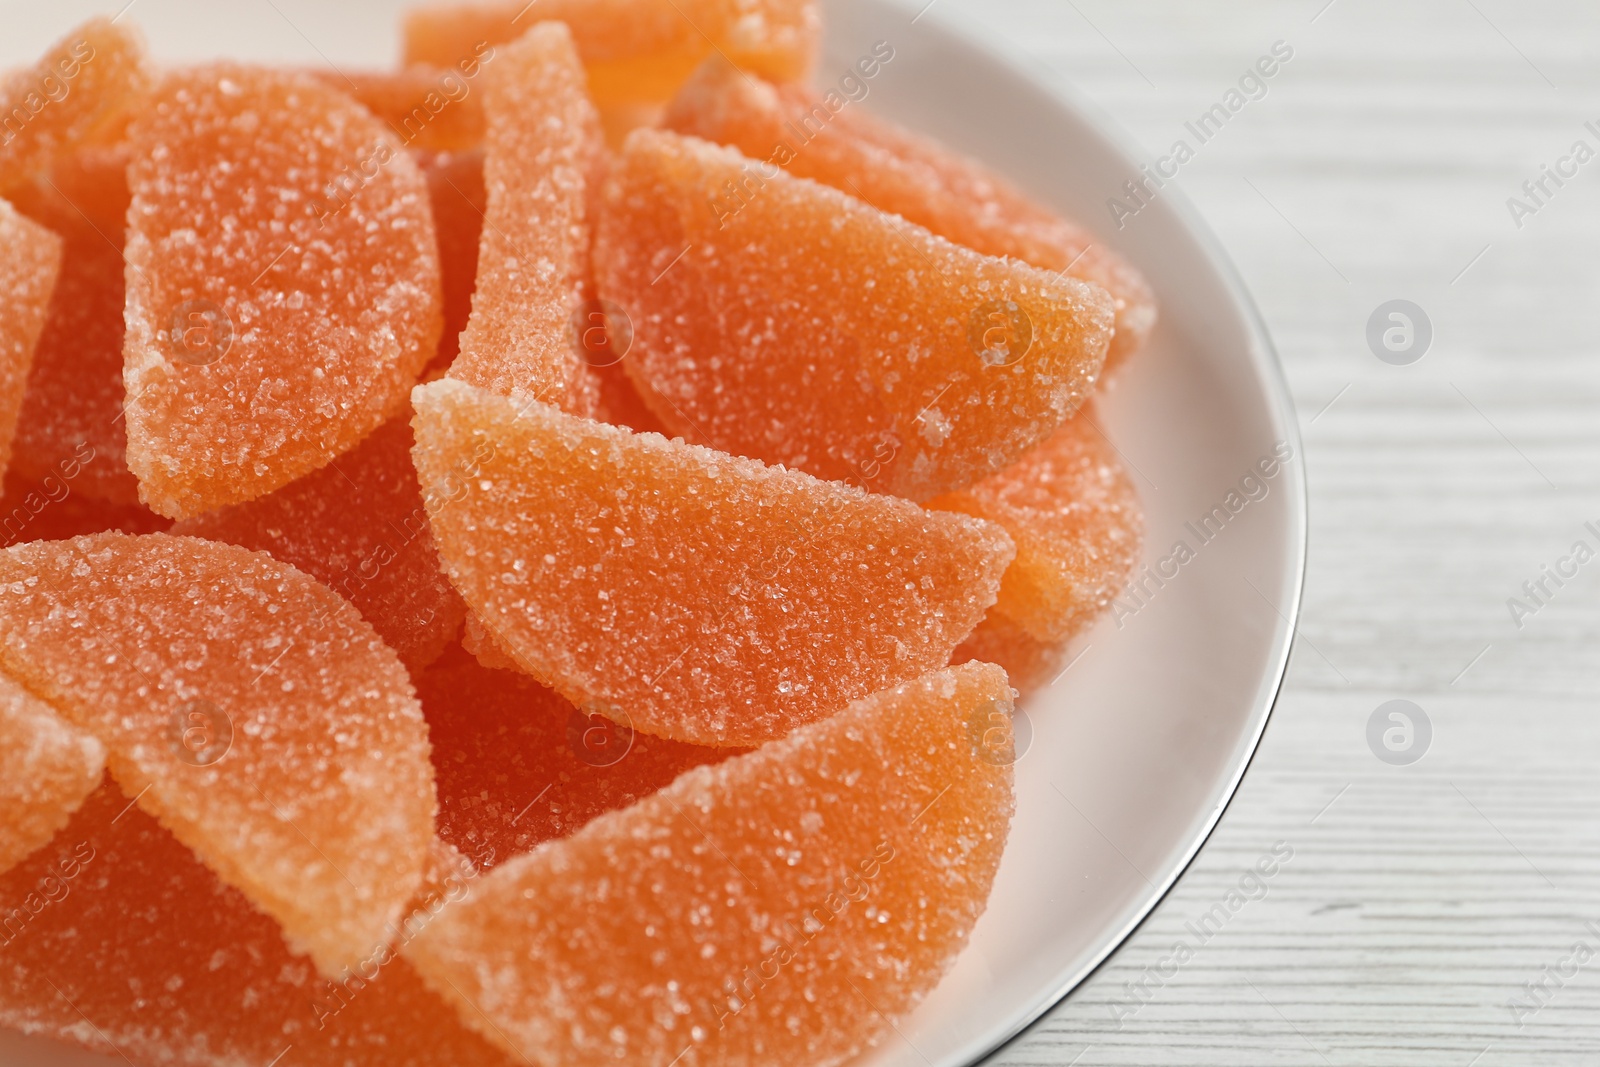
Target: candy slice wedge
[
  {"x": 783, "y": 907},
  {"x": 708, "y": 598},
  {"x": 543, "y": 153},
  {"x": 30, "y": 263},
  {"x": 73, "y": 404},
  {"x": 828, "y": 138},
  {"x": 249, "y": 708},
  {"x": 636, "y": 50},
  {"x": 80, "y": 87},
  {"x": 283, "y": 283},
  {"x": 47, "y": 768},
  {"x": 519, "y": 764},
  {"x": 359, "y": 527},
  {"x": 117, "y": 938},
  {"x": 810, "y": 329},
  {"x": 1073, "y": 512}
]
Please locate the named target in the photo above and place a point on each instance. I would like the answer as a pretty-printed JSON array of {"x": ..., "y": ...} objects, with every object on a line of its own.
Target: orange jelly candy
[
  {"x": 810, "y": 329},
  {"x": 518, "y": 764},
  {"x": 283, "y": 284},
  {"x": 823, "y": 138},
  {"x": 455, "y": 189},
  {"x": 783, "y": 907},
  {"x": 358, "y": 526},
  {"x": 543, "y": 152},
  {"x": 426, "y": 108},
  {"x": 248, "y": 707},
  {"x": 73, "y": 406},
  {"x": 115, "y": 937},
  {"x": 29, "y": 267},
  {"x": 1074, "y": 514},
  {"x": 704, "y": 597},
  {"x": 79, "y": 89},
  {"x": 635, "y": 50},
  {"x": 47, "y": 768}
]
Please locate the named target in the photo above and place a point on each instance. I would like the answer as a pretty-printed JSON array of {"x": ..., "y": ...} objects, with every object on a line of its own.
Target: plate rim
[{"x": 962, "y": 31}]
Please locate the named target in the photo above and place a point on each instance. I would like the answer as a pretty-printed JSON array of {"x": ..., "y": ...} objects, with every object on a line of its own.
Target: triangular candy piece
[
  {"x": 708, "y": 598},
  {"x": 809, "y": 328},
  {"x": 784, "y": 907}
]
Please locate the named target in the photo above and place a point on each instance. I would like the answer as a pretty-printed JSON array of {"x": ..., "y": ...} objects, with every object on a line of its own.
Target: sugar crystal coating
[
  {"x": 708, "y": 598},
  {"x": 1073, "y": 511},
  {"x": 73, "y": 404},
  {"x": 359, "y": 527},
  {"x": 283, "y": 283},
  {"x": 117, "y": 920},
  {"x": 518, "y": 764},
  {"x": 30, "y": 263},
  {"x": 810, "y": 329},
  {"x": 958, "y": 197},
  {"x": 47, "y": 768},
  {"x": 635, "y": 50},
  {"x": 250, "y": 709},
  {"x": 762, "y": 911},
  {"x": 542, "y": 154},
  {"x": 81, "y": 86}
]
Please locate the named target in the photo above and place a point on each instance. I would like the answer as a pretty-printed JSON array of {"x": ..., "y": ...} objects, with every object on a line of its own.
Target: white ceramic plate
[{"x": 1138, "y": 748}]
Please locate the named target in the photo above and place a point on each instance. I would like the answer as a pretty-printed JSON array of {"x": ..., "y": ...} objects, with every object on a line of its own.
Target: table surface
[{"x": 1421, "y": 901}]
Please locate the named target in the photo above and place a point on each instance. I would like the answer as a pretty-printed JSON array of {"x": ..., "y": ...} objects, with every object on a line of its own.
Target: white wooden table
[{"x": 1420, "y": 899}]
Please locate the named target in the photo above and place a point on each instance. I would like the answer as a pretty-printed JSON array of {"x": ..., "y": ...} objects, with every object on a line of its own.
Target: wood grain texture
[{"x": 1419, "y": 900}]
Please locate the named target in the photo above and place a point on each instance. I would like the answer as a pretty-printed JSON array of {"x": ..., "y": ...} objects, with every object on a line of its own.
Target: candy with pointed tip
[
  {"x": 712, "y": 599},
  {"x": 786, "y": 906},
  {"x": 805, "y": 327},
  {"x": 248, "y": 707},
  {"x": 283, "y": 283}
]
